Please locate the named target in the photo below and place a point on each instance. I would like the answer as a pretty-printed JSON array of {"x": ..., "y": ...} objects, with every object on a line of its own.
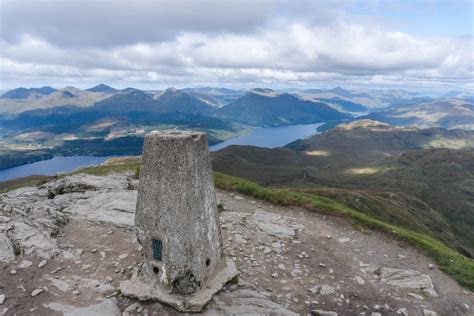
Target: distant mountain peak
[
  {"x": 102, "y": 88},
  {"x": 338, "y": 90},
  {"x": 168, "y": 93},
  {"x": 271, "y": 109},
  {"x": 129, "y": 90}
]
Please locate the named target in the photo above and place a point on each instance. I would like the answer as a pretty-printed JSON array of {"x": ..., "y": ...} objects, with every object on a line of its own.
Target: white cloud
[{"x": 241, "y": 50}]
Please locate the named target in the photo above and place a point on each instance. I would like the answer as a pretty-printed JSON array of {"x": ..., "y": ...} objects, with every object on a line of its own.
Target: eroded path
[{"x": 77, "y": 244}]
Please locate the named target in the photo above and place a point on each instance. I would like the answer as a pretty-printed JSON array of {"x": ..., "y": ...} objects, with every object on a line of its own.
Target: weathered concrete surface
[
  {"x": 176, "y": 208},
  {"x": 185, "y": 303}
]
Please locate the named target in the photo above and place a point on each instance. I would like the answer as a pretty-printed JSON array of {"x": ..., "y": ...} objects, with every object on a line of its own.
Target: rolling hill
[
  {"x": 368, "y": 98},
  {"x": 422, "y": 179}
]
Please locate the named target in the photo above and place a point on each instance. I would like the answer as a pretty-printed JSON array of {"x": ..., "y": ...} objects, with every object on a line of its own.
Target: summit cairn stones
[{"x": 177, "y": 224}]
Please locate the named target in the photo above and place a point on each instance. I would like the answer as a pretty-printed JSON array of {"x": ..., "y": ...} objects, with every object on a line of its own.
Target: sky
[{"x": 153, "y": 44}]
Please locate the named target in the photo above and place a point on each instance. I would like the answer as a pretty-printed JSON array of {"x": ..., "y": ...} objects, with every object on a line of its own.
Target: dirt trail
[{"x": 290, "y": 259}]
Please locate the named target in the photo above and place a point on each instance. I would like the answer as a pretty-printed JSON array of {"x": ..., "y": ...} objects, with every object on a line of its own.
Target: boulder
[{"x": 83, "y": 182}]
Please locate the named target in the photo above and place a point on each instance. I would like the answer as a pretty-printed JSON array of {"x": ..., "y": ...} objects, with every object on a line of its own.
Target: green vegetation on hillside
[
  {"x": 419, "y": 179},
  {"x": 30, "y": 181}
]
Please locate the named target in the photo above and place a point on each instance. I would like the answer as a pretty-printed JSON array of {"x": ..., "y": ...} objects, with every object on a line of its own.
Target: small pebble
[
  {"x": 36, "y": 292},
  {"x": 42, "y": 263}
]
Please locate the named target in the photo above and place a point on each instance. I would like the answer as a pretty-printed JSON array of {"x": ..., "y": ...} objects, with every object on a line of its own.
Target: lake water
[
  {"x": 270, "y": 137},
  {"x": 51, "y": 166}
]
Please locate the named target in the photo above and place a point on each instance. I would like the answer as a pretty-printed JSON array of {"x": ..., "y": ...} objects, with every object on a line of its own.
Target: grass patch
[
  {"x": 448, "y": 260},
  {"x": 30, "y": 181},
  {"x": 119, "y": 165}
]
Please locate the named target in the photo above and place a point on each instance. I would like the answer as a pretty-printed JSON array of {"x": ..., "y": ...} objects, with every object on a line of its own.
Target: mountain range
[
  {"x": 447, "y": 113},
  {"x": 256, "y": 107},
  {"x": 39, "y": 122}
]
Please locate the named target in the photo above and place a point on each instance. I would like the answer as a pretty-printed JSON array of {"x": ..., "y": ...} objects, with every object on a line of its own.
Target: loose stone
[
  {"x": 36, "y": 292},
  {"x": 42, "y": 263}
]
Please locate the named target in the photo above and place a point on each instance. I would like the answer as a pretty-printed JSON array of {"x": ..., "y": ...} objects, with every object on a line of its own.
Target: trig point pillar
[{"x": 177, "y": 224}]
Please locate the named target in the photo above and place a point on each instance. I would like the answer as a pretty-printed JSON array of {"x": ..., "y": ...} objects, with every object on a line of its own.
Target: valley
[
  {"x": 37, "y": 124},
  {"x": 262, "y": 136},
  {"x": 40, "y": 123}
]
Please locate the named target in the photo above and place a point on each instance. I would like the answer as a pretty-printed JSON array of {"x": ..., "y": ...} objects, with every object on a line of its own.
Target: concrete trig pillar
[{"x": 177, "y": 224}]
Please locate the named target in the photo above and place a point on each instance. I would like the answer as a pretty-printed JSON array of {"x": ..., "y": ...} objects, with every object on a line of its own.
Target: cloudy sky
[{"x": 417, "y": 44}]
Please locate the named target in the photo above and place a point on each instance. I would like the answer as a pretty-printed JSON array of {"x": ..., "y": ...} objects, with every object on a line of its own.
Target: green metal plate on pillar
[{"x": 157, "y": 249}]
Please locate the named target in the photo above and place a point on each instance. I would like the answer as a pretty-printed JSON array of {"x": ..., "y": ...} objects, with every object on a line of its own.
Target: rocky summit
[{"x": 66, "y": 246}]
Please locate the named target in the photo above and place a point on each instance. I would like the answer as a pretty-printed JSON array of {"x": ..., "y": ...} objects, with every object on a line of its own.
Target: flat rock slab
[
  {"x": 6, "y": 249},
  {"x": 32, "y": 240},
  {"x": 274, "y": 224},
  {"x": 116, "y": 207},
  {"x": 106, "y": 308},
  {"x": 409, "y": 279},
  {"x": 245, "y": 302}
]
